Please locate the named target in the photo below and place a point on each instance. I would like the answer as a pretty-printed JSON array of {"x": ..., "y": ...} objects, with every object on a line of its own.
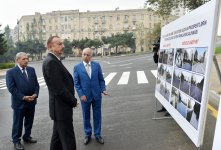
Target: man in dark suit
[
  {"x": 23, "y": 85},
  {"x": 61, "y": 96},
  {"x": 90, "y": 84}
]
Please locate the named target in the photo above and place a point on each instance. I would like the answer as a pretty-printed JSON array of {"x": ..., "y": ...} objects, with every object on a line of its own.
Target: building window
[
  {"x": 118, "y": 18},
  {"x": 65, "y": 18},
  {"x": 111, "y": 18}
]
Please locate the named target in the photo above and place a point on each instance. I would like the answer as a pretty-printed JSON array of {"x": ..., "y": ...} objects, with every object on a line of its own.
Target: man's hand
[
  {"x": 105, "y": 92},
  {"x": 84, "y": 98}
]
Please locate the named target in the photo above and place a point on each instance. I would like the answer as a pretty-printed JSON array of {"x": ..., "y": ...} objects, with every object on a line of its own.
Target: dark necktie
[{"x": 24, "y": 74}]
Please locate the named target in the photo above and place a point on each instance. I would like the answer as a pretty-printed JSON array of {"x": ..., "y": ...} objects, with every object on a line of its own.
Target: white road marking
[
  {"x": 124, "y": 78},
  {"x": 141, "y": 77},
  {"x": 109, "y": 77}
]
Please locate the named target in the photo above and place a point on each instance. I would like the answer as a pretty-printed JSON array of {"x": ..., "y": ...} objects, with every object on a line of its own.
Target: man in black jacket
[{"x": 61, "y": 96}]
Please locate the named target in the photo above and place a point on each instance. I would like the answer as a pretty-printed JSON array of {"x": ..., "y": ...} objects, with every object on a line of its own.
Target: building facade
[{"x": 72, "y": 24}]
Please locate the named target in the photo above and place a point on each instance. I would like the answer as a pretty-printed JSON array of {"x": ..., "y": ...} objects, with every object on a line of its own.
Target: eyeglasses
[{"x": 87, "y": 55}]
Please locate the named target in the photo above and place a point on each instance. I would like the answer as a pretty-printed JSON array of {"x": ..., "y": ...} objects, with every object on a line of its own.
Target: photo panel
[
  {"x": 199, "y": 59},
  {"x": 196, "y": 88},
  {"x": 162, "y": 87},
  {"x": 174, "y": 97},
  {"x": 170, "y": 53},
  {"x": 187, "y": 59},
  {"x": 158, "y": 84},
  {"x": 179, "y": 57},
  {"x": 194, "y": 118},
  {"x": 185, "y": 82},
  {"x": 160, "y": 70},
  {"x": 164, "y": 71},
  {"x": 169, "y": 74},
  {"x": 161, "y": 54},
  {"x": 176, "y": 78},
  {"x": 182, "y": 104},
  {"x": 165, "y": 57},
  {"x": 167, "y": 91}
]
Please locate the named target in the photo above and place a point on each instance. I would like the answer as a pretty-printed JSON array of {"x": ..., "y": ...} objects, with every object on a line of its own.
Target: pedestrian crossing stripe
[{"x": 124, "y": 79}]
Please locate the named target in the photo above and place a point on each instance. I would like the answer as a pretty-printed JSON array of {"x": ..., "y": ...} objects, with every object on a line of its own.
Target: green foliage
[
  {"x": 218, "y": 50},
  {"x": 125, "y": 40},
  {"x": 84, "y": 43},
  {"x": 3, "y": 43},
  {"x": 6, "y": 65},
  {"x": 34, "y": 47},
  {"x": 68, "y": 47},
  {"x": 165, "y": 7},
  {"x": 156, "y": 32}
]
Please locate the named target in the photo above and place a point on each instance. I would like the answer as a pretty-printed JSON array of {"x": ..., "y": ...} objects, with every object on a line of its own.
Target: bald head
[{"x": 87, "y": 54}]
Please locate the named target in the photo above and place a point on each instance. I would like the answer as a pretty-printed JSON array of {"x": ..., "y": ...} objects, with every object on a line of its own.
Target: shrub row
[{"x": 6, "y": 65}]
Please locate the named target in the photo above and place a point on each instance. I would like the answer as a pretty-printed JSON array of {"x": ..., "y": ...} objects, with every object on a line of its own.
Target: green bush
[
  {"x": 218, "y": 50},
  {"x": 6, "y": 65}
]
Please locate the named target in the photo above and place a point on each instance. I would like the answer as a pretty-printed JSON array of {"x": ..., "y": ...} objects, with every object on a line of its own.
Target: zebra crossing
[{"x": 108, "y": 77}]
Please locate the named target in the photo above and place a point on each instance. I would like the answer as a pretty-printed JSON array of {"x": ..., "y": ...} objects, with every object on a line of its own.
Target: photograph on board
[
  {"x": 193, "y": 111},
  {"x": 174, "y": 97},
  {"x": 176, "y": 78},
  {"x": 169, "y": 73},
  {"x": 187, "y": 59},
  {"x": 160, "y": 70},
  {"x": 167, "y": 91},
  {"x": 161, "y": 54},
  {"x": 170, "y": 54},
  {"x": 179, "y": 57},
  {"x": 199, "y": 59},
  {"x": 185, "y": 81},
  {"x": 182, "y": 104},
  {"x": 196, "y": 88}
]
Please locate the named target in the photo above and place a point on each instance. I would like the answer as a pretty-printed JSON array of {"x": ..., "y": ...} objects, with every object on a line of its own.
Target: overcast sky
[{"x": 11, "y": 10}]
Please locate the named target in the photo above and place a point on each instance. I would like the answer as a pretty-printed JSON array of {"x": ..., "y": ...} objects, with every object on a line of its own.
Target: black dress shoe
[
  {"x": 29, "y": 140},
  {"x": 100, "y": 140},
  {"x": 19, "y": 146},
  {"x": 161, "y": 110},
  {"x": 87, "y": 140}
]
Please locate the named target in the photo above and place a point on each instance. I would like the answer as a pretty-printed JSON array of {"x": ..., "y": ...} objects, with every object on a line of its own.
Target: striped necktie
[{"x": 24, "y": 74}]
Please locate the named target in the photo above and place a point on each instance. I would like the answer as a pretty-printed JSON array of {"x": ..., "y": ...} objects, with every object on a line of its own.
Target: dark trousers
[
  {"x": 63, "y": 137},
  {"x": 26, "y": 114}
]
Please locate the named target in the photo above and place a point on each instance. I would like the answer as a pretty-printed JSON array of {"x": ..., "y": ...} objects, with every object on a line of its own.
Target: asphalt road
[{"x": 127, "y": 113}]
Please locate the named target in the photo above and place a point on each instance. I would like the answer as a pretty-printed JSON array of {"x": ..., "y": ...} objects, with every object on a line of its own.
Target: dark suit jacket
[
  {"x": 19, "y": 87},
  {"x": 61, "y": 89}
]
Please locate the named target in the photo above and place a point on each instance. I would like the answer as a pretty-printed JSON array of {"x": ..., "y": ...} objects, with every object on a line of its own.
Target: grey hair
[
  {"x": 19, "y": 54},
  {"x": 88, "y": 49}
]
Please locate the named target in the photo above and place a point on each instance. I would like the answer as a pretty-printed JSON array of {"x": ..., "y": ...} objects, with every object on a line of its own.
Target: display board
[{"x": 185, "y": 57}]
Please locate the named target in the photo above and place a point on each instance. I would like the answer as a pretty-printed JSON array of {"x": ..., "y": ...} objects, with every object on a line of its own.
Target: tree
[
  {"x": 125, "y": 40},
  {"x": 156, "y": 32},
  {"x": 3, "y": 43},
  {"x": 68, "y": 47},
  {"x": 165, "y": 7}
]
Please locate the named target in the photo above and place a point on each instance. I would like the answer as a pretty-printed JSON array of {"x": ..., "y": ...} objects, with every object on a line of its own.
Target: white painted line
[
  {"x": 2, "y": 85},
  {"x": 3, "y": 88},
  {"x": 141, "y": 77},
  {"x": 109, "y": 77},
  {"x": 41, "y": 84},
  {"x": 40, "y": 78},
  {"x": 154, "y": 72},
  {"x": 124, "y": 78}
]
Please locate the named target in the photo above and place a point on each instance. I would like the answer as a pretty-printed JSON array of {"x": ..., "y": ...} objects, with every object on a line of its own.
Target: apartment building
[{"x": 72, "y": 24}]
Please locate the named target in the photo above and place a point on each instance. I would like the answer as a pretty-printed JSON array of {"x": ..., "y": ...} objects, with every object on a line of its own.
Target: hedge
[{"x": 6, "y": 65}]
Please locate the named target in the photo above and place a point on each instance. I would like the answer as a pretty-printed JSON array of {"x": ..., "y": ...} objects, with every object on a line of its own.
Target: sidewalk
[
  {"x": 3, "y": 72},
  {"x": 215, "y": 84}
]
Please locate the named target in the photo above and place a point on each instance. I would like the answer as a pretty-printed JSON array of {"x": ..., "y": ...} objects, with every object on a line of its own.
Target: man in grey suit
[
  {"x": 61, "y": 96},
  {"x": 23, "y": 85}
]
